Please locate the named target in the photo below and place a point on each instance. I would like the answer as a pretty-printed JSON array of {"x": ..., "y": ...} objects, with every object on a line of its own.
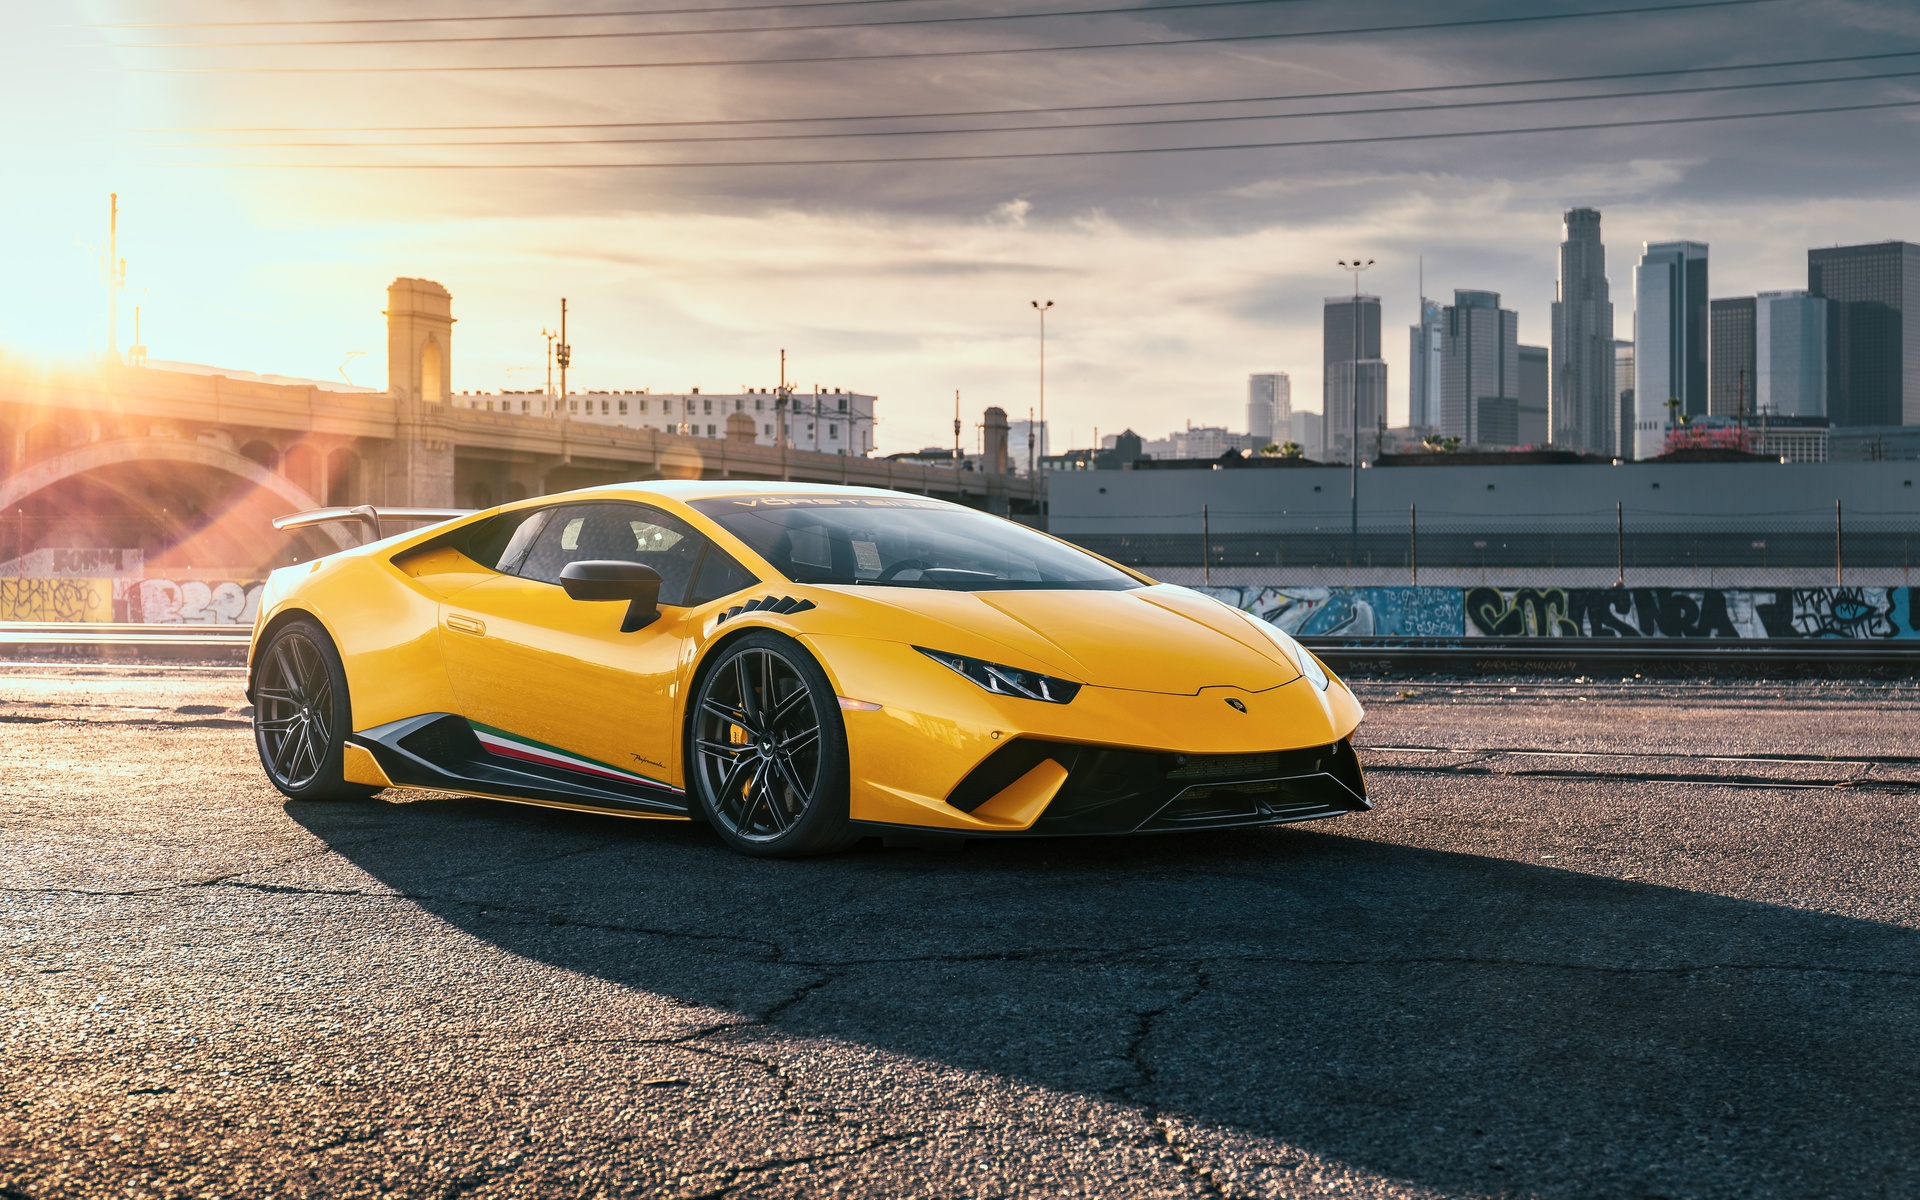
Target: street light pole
[
  {"x": 563, "y": 354},
  {"x": 1042, "y": 308},
  {"x": 1353, "y": 452}
]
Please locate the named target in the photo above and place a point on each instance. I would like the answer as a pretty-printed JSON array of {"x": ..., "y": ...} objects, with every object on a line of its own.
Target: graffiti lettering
[
  {"x": 1554, "y": 612},
  {"x": 192, "y": 602},
  {"x": 56, "y": 600}
]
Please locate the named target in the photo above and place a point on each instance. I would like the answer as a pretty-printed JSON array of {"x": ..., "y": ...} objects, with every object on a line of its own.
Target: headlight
[
  {"x": 1301, "y": 656},
  {"x": 1007, "y": 681}
]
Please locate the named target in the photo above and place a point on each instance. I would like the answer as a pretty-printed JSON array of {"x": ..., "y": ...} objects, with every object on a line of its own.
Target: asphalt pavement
[{"x": 1599, "y": 938}]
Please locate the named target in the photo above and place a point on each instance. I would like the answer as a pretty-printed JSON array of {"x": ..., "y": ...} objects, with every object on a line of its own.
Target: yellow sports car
[{"x": 797, "y": 666}]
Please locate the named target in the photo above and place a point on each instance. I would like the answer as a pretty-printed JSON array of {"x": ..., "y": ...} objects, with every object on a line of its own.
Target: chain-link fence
[{"x": 1634, "y": 547}]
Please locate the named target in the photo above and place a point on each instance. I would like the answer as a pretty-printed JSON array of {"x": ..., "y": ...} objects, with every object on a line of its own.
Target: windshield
[{"x": 905, "y": 542}]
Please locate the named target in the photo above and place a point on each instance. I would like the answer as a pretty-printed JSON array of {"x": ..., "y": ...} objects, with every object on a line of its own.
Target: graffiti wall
[
  {"x": 56, "y": 600},
  {"x": 1692, "y": 612},
  {"x": 1351, "y": 612},
  {"x": 187, "y": 602},
  {"x": 1821, "y": 612}
]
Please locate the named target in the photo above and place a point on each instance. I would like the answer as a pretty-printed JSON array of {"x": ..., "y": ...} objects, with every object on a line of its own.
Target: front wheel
[
  {"x": 769, "y": 752},
  {"x": 301, "y": 716}
]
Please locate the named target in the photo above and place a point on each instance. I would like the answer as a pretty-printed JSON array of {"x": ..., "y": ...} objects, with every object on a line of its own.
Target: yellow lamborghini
[{"x": 797, "y": 666}]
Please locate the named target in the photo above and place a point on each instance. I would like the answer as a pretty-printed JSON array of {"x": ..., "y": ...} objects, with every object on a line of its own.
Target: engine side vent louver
[{"x": 774, "y": 604}]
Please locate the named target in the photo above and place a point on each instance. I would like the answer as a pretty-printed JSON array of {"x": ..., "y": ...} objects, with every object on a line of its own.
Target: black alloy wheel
[
  {"x": 769, "y": 752},
  {"x": 301, "y": 714}
]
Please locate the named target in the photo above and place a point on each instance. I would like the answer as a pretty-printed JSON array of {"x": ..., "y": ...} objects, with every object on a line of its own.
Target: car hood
[{"x": 1152, "y": 639}]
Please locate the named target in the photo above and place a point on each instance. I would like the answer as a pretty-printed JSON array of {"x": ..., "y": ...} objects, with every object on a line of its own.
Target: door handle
[{"x": 461, "y": 623}]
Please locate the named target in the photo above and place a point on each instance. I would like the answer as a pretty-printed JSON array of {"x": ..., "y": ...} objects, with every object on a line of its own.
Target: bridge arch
[{"x": 251, "y": 505}]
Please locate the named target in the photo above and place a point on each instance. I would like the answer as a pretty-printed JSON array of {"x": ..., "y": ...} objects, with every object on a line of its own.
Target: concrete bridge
[{"x": 190, "y": 468}]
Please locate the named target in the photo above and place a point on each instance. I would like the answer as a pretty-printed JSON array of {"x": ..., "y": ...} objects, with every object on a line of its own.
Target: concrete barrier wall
[
  {"x": 142, "y": 601},
  {"x": 1585, "y": 612}
]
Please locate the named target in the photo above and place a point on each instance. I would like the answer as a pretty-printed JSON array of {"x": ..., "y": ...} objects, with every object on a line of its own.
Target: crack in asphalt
[
  {"x": 1144, "y": 1091},
  {"x": 733, "y": 1176}
]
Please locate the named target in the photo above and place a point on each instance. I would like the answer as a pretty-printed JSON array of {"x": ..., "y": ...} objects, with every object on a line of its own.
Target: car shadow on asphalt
[{"x": 1462, "y": 1023}]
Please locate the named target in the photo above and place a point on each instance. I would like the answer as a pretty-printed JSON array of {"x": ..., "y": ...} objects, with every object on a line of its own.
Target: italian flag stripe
[{"x": 512, "y": 745}]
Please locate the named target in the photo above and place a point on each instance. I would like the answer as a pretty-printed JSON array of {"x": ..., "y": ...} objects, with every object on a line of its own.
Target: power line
[
  {"x": 973, "y": 18},
  {"x": 1065, "y": 108},
  {"x": 475, "y": 18},
  {"x": 1079, "y": 125},
  {"x": 1007, "y": 156},
  {"x": 804, "y": 59}
]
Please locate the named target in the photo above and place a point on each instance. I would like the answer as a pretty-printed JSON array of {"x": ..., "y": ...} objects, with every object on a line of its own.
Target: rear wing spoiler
[{"x": 367, "y": 515}]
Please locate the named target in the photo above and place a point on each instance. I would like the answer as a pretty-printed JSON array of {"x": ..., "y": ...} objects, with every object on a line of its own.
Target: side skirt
[{"x": 442, "y": 751}]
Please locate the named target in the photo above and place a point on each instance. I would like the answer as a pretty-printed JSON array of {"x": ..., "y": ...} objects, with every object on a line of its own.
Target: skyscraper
[
  {"x": 1423, "y": 367},
  {"x": 1583, "y": 410},
  {"x": 1269, "y": 405},
  {"x": 1730, "y": 356},
  {"x": 1669, "y": 339},
  {"x": 1480, "y": 371},
  {"x": 1623, "y": 398},
  {"x": 1341, "y": 393},
  {"x": 1533, "y": 396},
  {"x": 1790, "y": 341},
  {"x": 1873, "y": 331},
  {"x": 1348, "y": 324}
]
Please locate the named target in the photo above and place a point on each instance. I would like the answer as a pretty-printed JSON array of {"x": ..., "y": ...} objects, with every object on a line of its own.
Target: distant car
[{"x": 797, "y": 666}]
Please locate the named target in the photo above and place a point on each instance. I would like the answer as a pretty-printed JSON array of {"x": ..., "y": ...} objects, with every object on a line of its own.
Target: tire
[
  {"x": 302, "y": 714},
  {"x": 773, "y": 785}
]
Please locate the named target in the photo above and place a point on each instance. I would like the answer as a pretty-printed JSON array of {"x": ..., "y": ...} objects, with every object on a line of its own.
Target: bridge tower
[{"x": 420, "y": 380}]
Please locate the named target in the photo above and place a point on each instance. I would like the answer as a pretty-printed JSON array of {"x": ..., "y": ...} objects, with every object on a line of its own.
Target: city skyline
[{"x": 1173, "y": 275}]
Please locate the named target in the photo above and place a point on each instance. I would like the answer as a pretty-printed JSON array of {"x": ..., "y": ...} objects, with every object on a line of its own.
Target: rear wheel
[
  {"x": 301, "y": 716},
  {"x": 769, "y": 752}
]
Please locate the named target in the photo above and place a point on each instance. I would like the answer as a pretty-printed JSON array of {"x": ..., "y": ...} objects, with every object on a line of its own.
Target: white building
[
  {"x": 1269, "y": 406},
  {"x": 1790, "y": 354},
  {"x": 1017, "y": 434},
  {"x": 827, "y": 422},
  {"x": 1309, "y": 429},
  {"x": 1425, "y": 368},
  {"x": 1199, "y": 441}
]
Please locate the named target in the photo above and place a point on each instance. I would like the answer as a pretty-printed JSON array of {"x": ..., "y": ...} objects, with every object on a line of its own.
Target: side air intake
[{"x": 773, "y": 604}]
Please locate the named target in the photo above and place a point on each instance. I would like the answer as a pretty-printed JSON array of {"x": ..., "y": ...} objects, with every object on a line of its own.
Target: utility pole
[
  {"x": 1031, "y": 439},
  {"x": 137, "y": 353},
  {"x": 1042, "y": 308},
  {"x": 782, "y": 403},
  {"x": 550, "y": 335},
  {"x": 563, "y": 353},
  {"x": 116, "y": 275},
  {"x": 1353, "y": 465},
  {"x": 956, "y": 429}
]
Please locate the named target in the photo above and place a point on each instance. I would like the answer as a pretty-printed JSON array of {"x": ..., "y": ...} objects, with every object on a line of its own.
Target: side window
[
  {"x": 500, "y": 541},
  {"x": 719, "y": 576},
  {"x": 622, "y": 532}
]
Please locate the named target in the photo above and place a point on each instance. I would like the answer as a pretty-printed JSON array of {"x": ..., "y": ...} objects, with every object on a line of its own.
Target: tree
[
  {"x": 1270, "y": 450},
  {"x": 1293, "y": 450},
  {"x": 1440, "y": 445}
]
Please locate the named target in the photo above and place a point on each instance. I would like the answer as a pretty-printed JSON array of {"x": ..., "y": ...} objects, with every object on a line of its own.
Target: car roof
[{"x": 686, "y": 490}]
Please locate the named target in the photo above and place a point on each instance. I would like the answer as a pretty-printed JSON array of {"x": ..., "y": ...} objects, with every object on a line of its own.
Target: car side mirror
[{"x": 635, "y": 583}]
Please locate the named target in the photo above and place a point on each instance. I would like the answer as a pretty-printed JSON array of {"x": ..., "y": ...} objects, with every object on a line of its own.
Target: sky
[{"x": 911, "y": 274}]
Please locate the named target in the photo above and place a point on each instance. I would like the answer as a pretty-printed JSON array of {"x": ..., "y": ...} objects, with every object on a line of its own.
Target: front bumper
[{"x": 1110, "y": 790}]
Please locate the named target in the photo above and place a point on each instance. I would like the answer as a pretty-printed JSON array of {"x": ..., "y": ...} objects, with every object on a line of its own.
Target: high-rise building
[
  {"x": 1269, "y": 404},
  {"x": 1583, "y": 409},
  {"x": 1480, "y": 371},
  {"x": 1669, "y": 340},
  {"x": 1424, "y": 368},
  {"x": 1873, "y": 331},
  {"x": 1307, "y": 429},
  {"x": 1533, "y": 396},
  {"x": 1019, "y": 435},
  {"x": 1350, "y": 332},
  {"x": 1366, "y": 382},
  {"x": 1623, "y": 397},
  {"x": 1790, "y": 340},
  {"x": 1730, "y": 363}
]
